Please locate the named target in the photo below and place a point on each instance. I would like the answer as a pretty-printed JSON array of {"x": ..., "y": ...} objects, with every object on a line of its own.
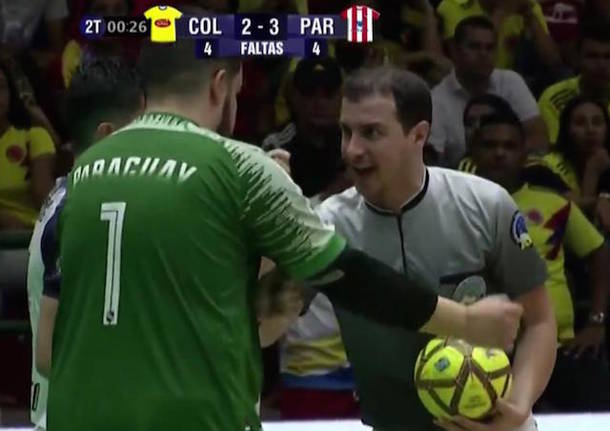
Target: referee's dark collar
[{"x": 411, "y": 203}]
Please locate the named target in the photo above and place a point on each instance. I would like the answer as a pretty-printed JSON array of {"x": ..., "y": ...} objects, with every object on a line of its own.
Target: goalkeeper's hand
[{"x": 279, "y": 303}]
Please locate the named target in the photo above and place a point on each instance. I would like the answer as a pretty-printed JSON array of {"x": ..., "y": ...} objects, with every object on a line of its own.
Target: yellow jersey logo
[{"x": 162, "y": 23}]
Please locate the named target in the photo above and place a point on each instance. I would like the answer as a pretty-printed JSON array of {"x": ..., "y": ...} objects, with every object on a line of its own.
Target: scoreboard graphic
[{"x": 240, "y": 35}]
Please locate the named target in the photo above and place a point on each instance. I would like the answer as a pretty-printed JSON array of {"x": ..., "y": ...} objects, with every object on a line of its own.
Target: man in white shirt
[{"x": 474, "y": 74}]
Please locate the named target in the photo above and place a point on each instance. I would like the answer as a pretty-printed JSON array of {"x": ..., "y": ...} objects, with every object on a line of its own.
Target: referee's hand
[{"x": 493, "y": 321}]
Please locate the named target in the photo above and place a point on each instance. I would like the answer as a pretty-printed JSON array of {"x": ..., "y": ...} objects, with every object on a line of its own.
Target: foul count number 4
[{"x": 207, "y": 49}]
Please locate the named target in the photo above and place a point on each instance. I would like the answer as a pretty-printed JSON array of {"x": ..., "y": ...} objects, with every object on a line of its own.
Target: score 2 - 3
[{"x": 260, "y": 27}]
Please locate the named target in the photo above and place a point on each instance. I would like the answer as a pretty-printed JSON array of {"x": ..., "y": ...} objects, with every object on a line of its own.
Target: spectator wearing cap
[
  {"x": 313, "y": 137},
  {"x": 473, "y": 75}
]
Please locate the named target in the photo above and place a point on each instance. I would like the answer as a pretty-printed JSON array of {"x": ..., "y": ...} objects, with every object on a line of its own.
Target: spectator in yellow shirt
[
  {"x": 593, "y": 81},
  {"x": 581, "y": 157},
  {"x": 579, "y": 381},
  {"x": 513, "y": 20},
  {"x": 26, "y": 160}
]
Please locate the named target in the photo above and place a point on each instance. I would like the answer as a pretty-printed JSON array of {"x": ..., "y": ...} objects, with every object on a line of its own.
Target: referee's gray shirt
[{"x": 456, "y": 226}]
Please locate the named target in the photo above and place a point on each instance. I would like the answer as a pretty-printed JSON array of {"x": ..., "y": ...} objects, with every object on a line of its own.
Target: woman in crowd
[
  {"x": 27, "y": 156},
  {"x": 581, "y": 157}
]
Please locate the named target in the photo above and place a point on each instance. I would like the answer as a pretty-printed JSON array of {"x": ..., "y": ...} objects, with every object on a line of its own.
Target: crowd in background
[{"x": 542, "y": 68}]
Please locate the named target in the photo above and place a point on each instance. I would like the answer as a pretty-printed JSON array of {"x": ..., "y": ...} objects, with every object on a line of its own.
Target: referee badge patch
[{"x": 518, "y": 231}]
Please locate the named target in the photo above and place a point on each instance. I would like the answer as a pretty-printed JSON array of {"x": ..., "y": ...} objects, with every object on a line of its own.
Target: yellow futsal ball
[{"x": 454, "y": 378}]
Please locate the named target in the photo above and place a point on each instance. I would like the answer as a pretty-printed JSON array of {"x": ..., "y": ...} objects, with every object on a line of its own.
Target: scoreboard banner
[{"x": 240, "y": 35}]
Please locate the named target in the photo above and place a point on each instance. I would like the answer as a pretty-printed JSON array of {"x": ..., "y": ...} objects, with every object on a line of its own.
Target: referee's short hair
[{"x": 410, "y": 92}]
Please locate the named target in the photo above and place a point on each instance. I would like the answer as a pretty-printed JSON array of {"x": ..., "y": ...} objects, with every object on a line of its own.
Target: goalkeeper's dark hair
[
  {"x": 173, "y": 69},
  {"x": 101, "y": 90}
]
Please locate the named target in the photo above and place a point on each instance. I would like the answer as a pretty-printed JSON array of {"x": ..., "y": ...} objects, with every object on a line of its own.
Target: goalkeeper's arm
[{"x": 366, "y": 286}]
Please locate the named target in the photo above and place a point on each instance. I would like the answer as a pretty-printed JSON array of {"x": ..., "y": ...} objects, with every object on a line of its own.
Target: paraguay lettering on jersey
[{"x": 170, "y": 169}]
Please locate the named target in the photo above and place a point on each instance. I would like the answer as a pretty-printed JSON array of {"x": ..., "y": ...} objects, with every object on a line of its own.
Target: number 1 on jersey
[{"x": 114, "y": 214}]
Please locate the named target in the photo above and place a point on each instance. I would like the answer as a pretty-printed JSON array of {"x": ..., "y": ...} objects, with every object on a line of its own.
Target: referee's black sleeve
[{"x": 366, "y": 286}]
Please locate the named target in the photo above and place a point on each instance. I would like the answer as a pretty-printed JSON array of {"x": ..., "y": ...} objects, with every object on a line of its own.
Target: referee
[{"x": 440, "y": 227}]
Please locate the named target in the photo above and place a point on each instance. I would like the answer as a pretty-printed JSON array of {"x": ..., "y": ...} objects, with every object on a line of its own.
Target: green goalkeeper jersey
[{"x": 160, "y": 238}]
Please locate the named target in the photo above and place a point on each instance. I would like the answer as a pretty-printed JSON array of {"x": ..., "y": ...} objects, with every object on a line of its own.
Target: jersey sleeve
[
  {"x": 538, "y": 173},
  {"x": 282, "y": 222},
  {"x": 40, "y": 142},
  {"x": 520, "y": 97},
  {"x": 150, "y": 13},
  {"x": 70, "y": 60},
  {"x": 516, "y": 265},
  {"x": 467, "y": 165},
  {"x": 176, "y": 14},
  {"x": 450, "y": 17},
  {"x": 549, "y": 115},
  {"x": 49, "y": 248},
  {"x": 581, "y": 238},
  {"x": 537, "y": 11}
]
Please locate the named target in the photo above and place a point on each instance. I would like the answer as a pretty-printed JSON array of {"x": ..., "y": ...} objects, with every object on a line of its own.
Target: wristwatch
[
  {"x": 604, "y": 195},
  {"x": 598, "y": 318}
]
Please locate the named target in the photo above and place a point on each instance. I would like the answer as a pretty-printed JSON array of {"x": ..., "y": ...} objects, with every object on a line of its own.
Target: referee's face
[{"x": 377, "y": 151}]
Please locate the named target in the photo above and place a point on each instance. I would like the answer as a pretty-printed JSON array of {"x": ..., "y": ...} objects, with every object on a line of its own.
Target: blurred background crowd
[{"x": 545, "y": 62}]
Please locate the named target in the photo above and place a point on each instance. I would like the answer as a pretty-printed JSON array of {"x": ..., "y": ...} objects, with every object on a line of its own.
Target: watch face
[{"x": 598, "y": 317}]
